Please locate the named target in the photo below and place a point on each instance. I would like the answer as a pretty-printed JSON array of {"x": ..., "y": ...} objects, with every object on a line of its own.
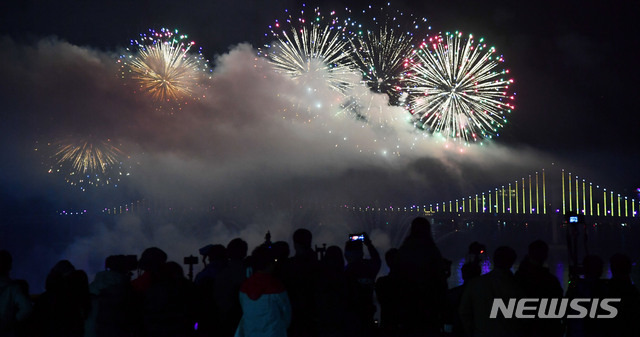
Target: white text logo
[{"x": 554, "y": 308}]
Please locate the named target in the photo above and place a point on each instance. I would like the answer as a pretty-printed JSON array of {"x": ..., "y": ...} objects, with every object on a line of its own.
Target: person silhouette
[
  {"x": 300, "y": 280},
  {"x": 151, "y": 260},
  {"x": 620, "y": 286},
  {"x": 421, "y": 271},
  {"x": 205, "y": 285},
  {"x": 65, "y": 305},
  {"x": 169, "y": 303},
  {"x": 591, "y": 286},
  {"x": 112, "y": 300},
  {"x": 331, "y": 294},
  {"x": 227, "y": 288},
  {"x": 469, "y": 271},
  {"x": 360, "y": 274},
  {"x": 387, "y": 293},
  {"x": 478, "y": 296},
  {"x": 537, "y": 282},
  {"x": 266, "y": 310},
  {"x": 15, "y": 306}
]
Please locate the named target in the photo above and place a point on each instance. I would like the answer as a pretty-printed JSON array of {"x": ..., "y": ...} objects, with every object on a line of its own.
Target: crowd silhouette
[{"x": 332, "y": 294}]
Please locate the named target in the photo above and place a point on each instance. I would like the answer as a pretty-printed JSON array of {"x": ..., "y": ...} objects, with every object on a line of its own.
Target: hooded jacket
[{"x": 266, "y": 311}]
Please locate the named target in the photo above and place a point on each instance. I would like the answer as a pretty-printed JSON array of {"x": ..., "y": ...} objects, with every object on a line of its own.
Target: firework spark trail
[
  {"x": 165, "y": 71},
  {"x": 87, "y": 161},
  {"x": 381, "y": 56},
  {"x": 456, "y": 91},
  {"x": 162, "y": 64},
  {"x": 381, "y": 50},
  {"x": 88, "y": 156},
  {"x": 318, "y": 52},
  {"x": 314, "y": 48}
]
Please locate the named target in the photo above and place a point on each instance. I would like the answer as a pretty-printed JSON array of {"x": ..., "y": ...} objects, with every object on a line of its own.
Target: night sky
[
  {"x": 574, "y": 65},
  {"x": 572, "y": 62}
]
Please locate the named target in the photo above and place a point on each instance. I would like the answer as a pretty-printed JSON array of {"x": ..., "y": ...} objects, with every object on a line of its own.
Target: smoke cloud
[{"x": 281, "y": 153}]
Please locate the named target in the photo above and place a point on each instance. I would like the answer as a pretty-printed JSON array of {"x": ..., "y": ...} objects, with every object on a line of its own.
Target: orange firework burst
[
  {"x": 87, "y": 161},
  {"x": 87, "y": 155},
  {"x": 164, "y": 67}
]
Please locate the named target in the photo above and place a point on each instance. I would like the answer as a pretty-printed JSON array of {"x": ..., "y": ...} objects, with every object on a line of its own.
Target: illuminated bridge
[{"x": 539, "y": 194}]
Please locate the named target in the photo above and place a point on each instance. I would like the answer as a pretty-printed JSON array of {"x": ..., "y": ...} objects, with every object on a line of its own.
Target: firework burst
[
  {"x": 456, "y": 90},
  {"x": 381, "y": 50},
  {"x": 312, "y": 49},
  {"x": 161, "y": 64},
  {"x": 87, "y": 161}
]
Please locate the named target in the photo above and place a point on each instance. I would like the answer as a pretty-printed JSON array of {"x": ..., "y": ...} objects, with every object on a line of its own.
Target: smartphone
[{"x": 356, "y": 237}]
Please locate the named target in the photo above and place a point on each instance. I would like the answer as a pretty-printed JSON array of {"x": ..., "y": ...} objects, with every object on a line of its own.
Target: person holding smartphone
[{"x": 360, "y": 274}]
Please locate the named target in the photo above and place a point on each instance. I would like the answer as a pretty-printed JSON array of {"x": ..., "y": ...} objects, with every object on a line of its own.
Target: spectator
[
  {"x": 65, "y": 305},
  {"x": 169, "y": 303},
  {"x": 151, "y": 260},
  {"x": 477, "y": 299},
  {"x": 281, "y": 251},
  {"x": 205, "y": 284},
  {"x": 421, "y": 271},
  {"x": 387, "y": 293},
  {"x": 300, "y": 280},
  {"x": 469, "y": 271},
  {"x": 591, "y": 286},
  {"x": 476, "y": 252},
  {"x": 537, "y": 282},
  {"x": 265, "y": 304},
  {"x": 217, "y": 256},
  {"x": 227, "y": 289},
  {"x": 360, "y": 275},
  {"x": 112, "y": 299},
  {"x": 332, "y": 294},
  {"x": 15, "y": 306},
  {"x": 620, "y": 286}
]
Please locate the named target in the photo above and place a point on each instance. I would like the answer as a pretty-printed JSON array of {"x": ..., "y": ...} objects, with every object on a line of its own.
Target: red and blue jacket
[{"x": 266, "y": 311}]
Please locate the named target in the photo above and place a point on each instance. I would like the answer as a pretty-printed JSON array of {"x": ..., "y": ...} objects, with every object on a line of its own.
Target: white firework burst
[
  {"x": 456, "y": 89},
  {"x": 314, "y": 49},
  {"x": 382, "y": 46}
]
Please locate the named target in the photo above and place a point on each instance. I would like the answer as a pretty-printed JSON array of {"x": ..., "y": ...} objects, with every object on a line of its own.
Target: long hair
[{"x": 420, "y": 231}]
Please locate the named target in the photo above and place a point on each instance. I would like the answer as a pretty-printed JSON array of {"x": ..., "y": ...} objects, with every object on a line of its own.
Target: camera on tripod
[
  {"x": 576, "y": 243},
  {"x": 190, "y": 260}
]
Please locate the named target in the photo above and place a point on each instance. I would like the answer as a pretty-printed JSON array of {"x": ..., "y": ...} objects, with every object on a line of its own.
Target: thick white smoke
[{"x": 257, "y": 139}]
